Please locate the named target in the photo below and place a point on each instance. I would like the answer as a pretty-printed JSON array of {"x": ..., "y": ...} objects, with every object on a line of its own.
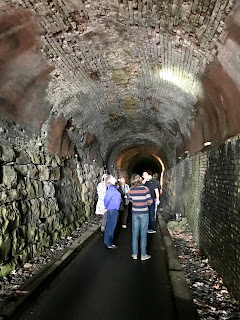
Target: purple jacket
[{"x": 112, "y": 198}]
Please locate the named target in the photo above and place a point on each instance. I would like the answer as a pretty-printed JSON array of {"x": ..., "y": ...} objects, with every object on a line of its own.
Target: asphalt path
[{"x": 104, "y": 284}]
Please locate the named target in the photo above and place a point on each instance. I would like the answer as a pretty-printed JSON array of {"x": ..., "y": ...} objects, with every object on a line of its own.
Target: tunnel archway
[
  {"x": 136, "y": 158},
  {"x": 144, "y": 162}
]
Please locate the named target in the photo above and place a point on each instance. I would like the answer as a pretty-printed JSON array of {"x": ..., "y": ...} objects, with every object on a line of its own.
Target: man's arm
[
  {"x": 129, "y": 196},
  {"x": 148, "y": 197},
  {"x": 157, "y": 195},
  {"x": 107, "y": 199}
]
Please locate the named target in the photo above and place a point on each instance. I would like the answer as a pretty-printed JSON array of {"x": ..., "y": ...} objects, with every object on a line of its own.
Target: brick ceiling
[{"x": 128, "y": 71}]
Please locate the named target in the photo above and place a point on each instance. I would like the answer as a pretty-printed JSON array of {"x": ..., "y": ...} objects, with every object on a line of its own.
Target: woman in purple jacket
[{"x": 112, "y": 201}]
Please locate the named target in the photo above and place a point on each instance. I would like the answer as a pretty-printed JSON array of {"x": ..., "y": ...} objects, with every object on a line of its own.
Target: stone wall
[
  {"x": 206, "y": 189},
  {"x": 42, "y": 198}
]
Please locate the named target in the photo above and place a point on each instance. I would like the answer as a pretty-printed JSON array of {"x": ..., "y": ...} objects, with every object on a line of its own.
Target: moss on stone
[
  {"x": 18, "y": 243},
  {"x": 6, "y": 269},
  {"x": 31, "y": 233},
  {"x": 172, "y": 224},
  {"x": 26, "y": 254},
  {"x": 87, "y": 210},
  {"x": 65, "y": 232},
  {"x": 130, "y": 105},
  {"x": 120, "y": 77},
  {"x": 54, "y": 236},
  {"x": 5, "y": 248}
]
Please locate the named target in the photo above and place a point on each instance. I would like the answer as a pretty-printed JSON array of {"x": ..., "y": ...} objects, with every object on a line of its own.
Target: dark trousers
[
  {"x": 124, "y": 215},
  {"x": 112, "y": 216},
  {"x": 152, "y": 220}
]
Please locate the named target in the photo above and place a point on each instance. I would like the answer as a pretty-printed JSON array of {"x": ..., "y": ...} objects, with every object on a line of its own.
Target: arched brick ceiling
[{"x": 130, "y": 69}]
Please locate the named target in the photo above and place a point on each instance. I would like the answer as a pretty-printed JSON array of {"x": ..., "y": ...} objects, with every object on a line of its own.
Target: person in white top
[{"x": 100, "y": 209}]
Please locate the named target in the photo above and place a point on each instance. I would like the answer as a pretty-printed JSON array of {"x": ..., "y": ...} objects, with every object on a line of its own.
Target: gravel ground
[
  {"x": 10, "y": 283},
  {"x": 211, "y": 297}
]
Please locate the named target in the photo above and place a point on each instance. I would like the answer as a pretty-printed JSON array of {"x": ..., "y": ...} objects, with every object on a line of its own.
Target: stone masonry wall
[
  {"x": 42, "y": 198},
  {"x": 210, "y": 192}
]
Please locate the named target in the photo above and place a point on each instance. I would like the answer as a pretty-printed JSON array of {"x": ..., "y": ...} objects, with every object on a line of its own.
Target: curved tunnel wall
[
  {"x": 205, "y": 187},
  {"x": 59, "y": 128}
]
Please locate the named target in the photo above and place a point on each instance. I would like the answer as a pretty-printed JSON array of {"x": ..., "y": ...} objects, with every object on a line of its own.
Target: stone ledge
[
  {"x": 185, "y": 307},
  {"x": 15, "y": 304}
]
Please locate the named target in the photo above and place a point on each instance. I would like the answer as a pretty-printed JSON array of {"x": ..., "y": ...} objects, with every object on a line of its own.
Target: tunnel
[
  {"x": 135, "y": 159},
  {"x": 140, "y": 163},
  {"x": 89, "y": 87}
]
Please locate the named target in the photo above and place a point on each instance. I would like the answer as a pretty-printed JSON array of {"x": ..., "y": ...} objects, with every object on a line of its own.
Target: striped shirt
[{"x": 140, "y": 198}]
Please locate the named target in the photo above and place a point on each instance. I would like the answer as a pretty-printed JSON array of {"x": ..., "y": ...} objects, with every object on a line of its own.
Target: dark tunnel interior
[{"x": 140, "y": 163}]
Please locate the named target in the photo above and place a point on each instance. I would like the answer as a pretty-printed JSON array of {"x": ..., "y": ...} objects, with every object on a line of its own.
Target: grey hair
[{"x": 108, "y": 180}]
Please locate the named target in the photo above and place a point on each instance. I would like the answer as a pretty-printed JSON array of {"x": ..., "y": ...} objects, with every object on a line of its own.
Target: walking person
[
  {"x": 112, "y": 201},
  {"x": 100, "y": 208},
  {"x": 140, "y": 197},
  {"x": 151, "y": 184},
  {"x": 123, "y": 188}
]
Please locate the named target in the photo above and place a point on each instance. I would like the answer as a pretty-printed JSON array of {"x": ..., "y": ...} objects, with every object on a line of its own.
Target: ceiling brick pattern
[{"x": 125, "y": 68}]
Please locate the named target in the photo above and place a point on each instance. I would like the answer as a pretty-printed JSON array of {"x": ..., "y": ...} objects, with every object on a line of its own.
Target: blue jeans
[
  {"x": 112, "y": 216},
  {"x": 139, "y": 223},
  {"x": 152, "y": 220}
]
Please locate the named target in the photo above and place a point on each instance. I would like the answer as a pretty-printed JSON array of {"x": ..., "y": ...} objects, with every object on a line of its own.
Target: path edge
[
  {"x": 185, "y": 307},
  {"x": 14, "y": 305}
]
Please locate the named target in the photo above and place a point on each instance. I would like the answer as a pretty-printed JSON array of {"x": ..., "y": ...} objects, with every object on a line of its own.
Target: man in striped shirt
[{"x": 140, "y": 197}]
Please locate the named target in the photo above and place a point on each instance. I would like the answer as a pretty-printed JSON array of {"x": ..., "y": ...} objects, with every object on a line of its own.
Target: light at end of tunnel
[
  {"x": 162, "y": 173},
  {"x": 179, "y": 157},
  {"x": 208, "y": 143},
  {"x": 186, "y": 151}
]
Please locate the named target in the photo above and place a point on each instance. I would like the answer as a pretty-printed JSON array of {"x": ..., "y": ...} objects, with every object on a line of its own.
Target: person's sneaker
[
  {"x": 134, "y": 256},
  {"x": 146, "y": 257},
  {"x": 151, "y": 231},
  {"x": 124, "y": 226},
  {"x": 113, "y": 246}
]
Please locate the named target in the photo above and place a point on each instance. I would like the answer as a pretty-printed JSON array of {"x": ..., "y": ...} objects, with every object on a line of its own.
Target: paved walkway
[{"x": 101, "y": 283}]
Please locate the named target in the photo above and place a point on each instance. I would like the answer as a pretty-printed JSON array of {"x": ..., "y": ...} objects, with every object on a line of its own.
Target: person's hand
[
  {"x": 158, "y": 202},
  {"x": 104, "y": 210}
]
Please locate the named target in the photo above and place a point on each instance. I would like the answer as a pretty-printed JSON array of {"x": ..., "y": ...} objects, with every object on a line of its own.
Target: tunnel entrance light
[
  {"x": 139, "y": 157},
  {"x": 162, "y": 173}
]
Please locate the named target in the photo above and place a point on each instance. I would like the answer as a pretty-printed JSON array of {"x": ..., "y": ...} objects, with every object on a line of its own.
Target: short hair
[
  {"x": 156, "y": 175},
  {"x": 108, "y": 180},
  {"x": 149, "y": 172},
  {"x": 136, "y": 180}
]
